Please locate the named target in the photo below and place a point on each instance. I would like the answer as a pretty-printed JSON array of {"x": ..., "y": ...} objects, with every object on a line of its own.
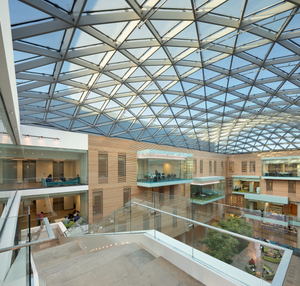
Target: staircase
[{"x": 121, "y": 265}]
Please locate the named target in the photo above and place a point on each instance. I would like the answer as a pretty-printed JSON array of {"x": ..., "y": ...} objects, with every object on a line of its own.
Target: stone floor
[
  {"x": 121, "y": 265},
  {"x": 293, "y": 275}
]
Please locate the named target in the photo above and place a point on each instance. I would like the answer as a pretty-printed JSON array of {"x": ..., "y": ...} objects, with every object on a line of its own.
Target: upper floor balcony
[
  {"x": 281, "y": 168},
  {"x": 245, "y": 184},
  {"x": 28, "y": 167},
  {"x": 157, "y": 168}
]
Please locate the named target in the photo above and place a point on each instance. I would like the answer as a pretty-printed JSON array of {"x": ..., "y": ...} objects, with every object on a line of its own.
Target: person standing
[{"x": 39, "y": 218}]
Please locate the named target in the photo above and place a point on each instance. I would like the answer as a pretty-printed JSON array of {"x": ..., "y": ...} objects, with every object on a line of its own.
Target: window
[
  {"x": 98, "y": 202},
  {"x": 292, "y": 187},
  {"x": 269, "y": 185},
  {"x": 226, "y": 167},
  {"x": 244, "y": 166},
  {"x": 252, "y": 166},
  {"x": 210, "y": 166},
  {"x": 126, "y": 195},
  {"x": 229, "y": 183},
  {"x": 195, "y": 166},
  {"x": 121, "y": 168},
  {"x": 121, "y": 165},
  {"x": 222, "y": 164},
  {"x": 215, "y": 167},
  {"x": 231, "y": 166},
  {"x": 201, "y": 166},
  {"x": 102, "y": 167}
]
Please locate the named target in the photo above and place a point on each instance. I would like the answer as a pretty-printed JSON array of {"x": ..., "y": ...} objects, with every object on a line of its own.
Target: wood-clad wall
[
  {"x": 280, "y": 187},
  {"x": 113, "y": 190}
]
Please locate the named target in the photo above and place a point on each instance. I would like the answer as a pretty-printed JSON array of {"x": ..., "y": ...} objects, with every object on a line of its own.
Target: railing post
[
  {"x": 114, "y": 222},
  {"x": 130, "y": 216},
  {"x": 29, "y": 247}
]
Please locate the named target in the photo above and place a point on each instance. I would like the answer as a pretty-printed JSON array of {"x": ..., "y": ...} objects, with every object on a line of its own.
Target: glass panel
[
  {"x": 23, "y": 167},
  {"x": 164, "y": 170}
]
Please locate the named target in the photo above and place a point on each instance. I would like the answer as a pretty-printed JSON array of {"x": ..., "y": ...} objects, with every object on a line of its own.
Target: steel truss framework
[{"x": 220, "y": 76}]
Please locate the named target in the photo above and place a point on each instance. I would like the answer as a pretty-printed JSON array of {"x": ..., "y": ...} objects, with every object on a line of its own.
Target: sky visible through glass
[{"x": 218, "y": 76}]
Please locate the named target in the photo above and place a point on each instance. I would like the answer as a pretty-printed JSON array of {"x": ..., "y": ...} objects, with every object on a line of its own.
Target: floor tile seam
[
  {"x": 186, "y": 275},
  {"x": 141, "y": 277}
]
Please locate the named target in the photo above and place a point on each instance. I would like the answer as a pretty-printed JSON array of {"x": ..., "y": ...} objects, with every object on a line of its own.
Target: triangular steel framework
[{"x": 219, "y": 76}]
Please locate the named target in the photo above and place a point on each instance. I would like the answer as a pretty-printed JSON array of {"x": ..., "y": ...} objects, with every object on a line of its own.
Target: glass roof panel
[{"x": 202, "y": 80}]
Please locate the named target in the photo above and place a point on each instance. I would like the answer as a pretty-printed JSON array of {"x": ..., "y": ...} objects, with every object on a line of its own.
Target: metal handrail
[
  {"x": 15, "y": 247},
  {"x": 50, "y": 234}
]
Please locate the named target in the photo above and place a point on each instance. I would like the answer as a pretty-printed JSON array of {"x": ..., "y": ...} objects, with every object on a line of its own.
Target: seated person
[
  {"x": 49, "y": 178},
  {"x": 76, "y": 217},
  {"x": 62, "y": 178},
  {"x": 65, "y": 220},
  {"x": 251, "y": 262}
]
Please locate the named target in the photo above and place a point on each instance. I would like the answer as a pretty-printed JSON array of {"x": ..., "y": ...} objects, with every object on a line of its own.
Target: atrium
[{"x": 153, "y": 123}]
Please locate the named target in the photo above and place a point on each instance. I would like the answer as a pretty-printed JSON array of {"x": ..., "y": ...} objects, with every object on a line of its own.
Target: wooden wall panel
[{"x": 113, "y": 190}]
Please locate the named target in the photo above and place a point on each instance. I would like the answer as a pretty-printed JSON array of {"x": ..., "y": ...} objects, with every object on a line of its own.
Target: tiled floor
[{"x": 122, "y": 265}]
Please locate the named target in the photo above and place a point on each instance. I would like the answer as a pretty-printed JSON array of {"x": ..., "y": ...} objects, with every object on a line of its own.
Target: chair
[
  {"x": 158, "y": 177},
  {"x": 163, "y": 176}
]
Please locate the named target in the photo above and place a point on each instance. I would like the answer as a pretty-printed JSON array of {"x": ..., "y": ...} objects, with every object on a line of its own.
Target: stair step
[{"x": 55, "y": 255}]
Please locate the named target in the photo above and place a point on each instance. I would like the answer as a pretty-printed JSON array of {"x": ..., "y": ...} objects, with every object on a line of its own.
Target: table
[{"x": 203, "y": 196}]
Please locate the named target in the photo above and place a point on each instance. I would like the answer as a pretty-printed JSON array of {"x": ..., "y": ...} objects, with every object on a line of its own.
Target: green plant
[
  {"x": 223, "y": 246},
  {"x": 240, "y": 226}
]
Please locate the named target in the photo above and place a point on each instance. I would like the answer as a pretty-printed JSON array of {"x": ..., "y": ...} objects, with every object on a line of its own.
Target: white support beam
[{"x": 10, "y": 114}]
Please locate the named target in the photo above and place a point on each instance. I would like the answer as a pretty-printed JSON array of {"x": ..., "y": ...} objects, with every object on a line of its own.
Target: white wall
[
  {"x": 45, "y": 206},
  {"x": 70, "y": 169},
  {"x": 68, "y": 203},
  {"x": 67, "y": 140},
  {"x": 43, "y": 169}
]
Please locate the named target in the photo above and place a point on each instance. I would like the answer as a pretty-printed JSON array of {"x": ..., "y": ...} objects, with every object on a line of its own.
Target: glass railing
[
  {"x": 243, "y": 190},
  {"x": 139, "y": 213},
  {"x": 42, "y": 182},
  {"x": 230, "y": 241},
  {"x": 17, "y": 244},
  {"x": 280, "y": 174},
  {"x": 207, "y": 195}
]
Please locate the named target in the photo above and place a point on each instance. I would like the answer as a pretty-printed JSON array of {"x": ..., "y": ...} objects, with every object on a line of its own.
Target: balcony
[
  {"x": 281, "y": 168},
  {"x": 205, "y": 190},
  {"x": 157, "y": 168}
]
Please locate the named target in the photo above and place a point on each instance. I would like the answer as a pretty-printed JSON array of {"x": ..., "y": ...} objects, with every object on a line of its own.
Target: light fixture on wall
[{"x": 40, "y": 137}]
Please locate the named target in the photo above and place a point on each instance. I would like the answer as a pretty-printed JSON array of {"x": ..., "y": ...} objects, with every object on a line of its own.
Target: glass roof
[{"x": 220, "y": 76}]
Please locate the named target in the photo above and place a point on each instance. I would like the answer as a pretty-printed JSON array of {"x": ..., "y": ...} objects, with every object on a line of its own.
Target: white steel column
[{"x": 10, "y": 115}]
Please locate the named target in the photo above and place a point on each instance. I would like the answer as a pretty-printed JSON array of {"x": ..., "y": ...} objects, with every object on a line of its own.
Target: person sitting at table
[
  {"x": 49, "y": 178},
  {"x": 62, "y": 178}
]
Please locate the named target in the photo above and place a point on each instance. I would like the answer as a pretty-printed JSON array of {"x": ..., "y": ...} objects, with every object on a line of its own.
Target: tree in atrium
[{"x": 223, "y": 246}]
